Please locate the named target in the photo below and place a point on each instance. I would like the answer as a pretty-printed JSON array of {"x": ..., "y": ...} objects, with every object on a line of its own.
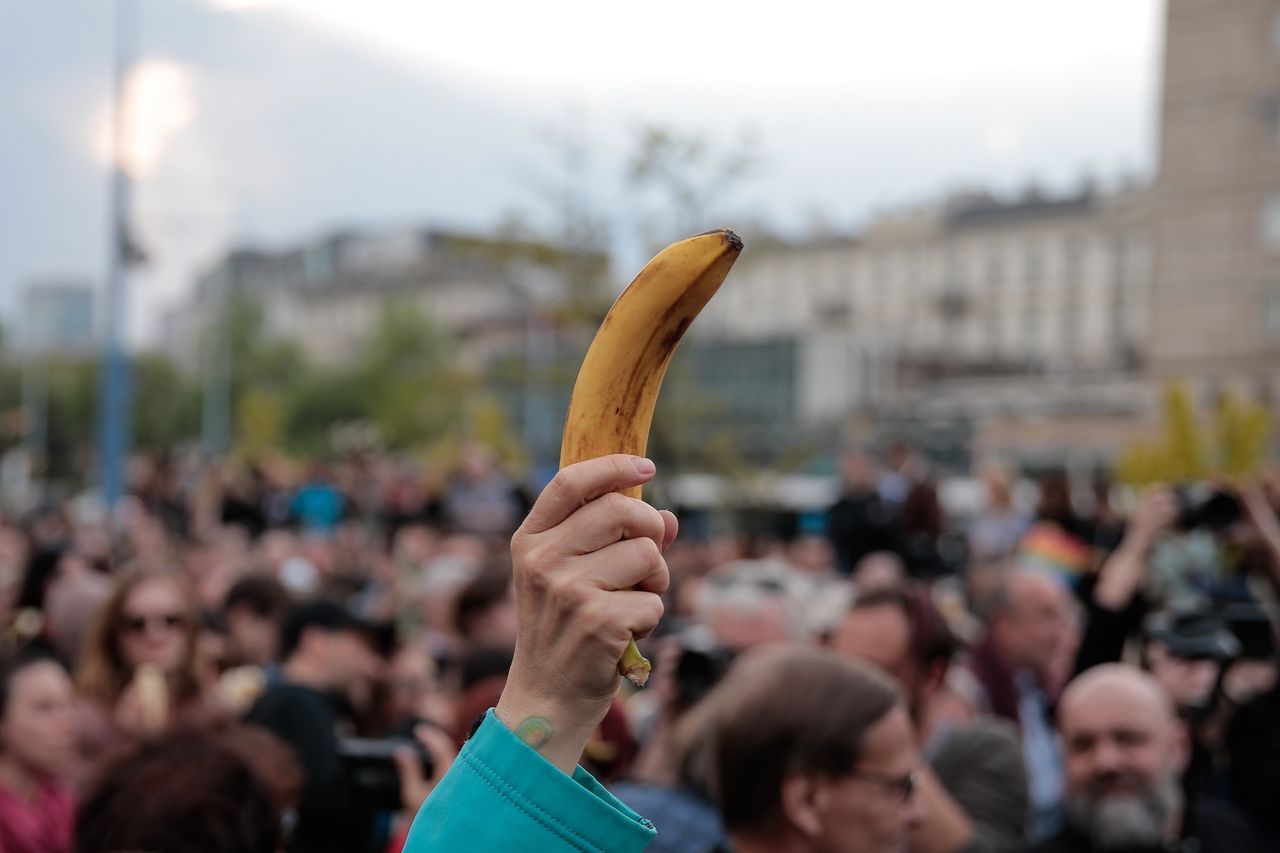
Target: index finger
[{"x": 583, "y": 482}]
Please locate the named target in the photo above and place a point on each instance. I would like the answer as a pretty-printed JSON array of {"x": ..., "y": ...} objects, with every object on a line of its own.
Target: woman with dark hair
[
  {"x": 137, "y": 671},
  {"x": 187, "y": 791},
  {"x": 36, "y": 745}
]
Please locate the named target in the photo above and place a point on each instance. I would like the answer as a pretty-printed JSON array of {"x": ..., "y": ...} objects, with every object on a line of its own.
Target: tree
[
  {"x": 318, "y": 402},
  {"x": 682, "y": 179},
  {"x": 1234, "y": 447},
  {"x": 1243, "y": 429},
  {"x": 576, "y": 224},
  {"x": 166, "y": 404},
  {"x": 414, "y": 390}
]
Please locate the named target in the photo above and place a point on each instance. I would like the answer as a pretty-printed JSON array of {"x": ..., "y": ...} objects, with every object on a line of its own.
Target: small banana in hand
[
  {"x": 617, "y": 387},
  {"x": 153, "y": 696}
]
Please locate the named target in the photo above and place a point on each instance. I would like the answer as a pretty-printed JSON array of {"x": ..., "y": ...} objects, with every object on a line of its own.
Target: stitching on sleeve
[{"x": 508, "y": 792}]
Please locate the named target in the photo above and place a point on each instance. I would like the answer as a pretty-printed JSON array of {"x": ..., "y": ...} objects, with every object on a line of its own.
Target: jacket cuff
[{"x": 576, "y": 808}]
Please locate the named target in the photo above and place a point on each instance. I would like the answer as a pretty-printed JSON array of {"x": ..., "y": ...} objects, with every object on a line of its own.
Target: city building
[
  {"x": 1036, "y": 328},
  {"x": 1040, "y": 328},
  {"x": 58, "y": 316},
  {"x": 328, "y": 295},
  {"x": 951, "y": 317},
  {"x": 973, "y": 286},
  {"x": 1216, "y": 200}
]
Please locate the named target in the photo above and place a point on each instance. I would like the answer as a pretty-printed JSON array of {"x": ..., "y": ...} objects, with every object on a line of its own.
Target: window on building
[
  {"x": 1275, "y": 30},
  {"x": 1269, "y": 111},
  {"x": 1073, "y": 251},
  {"x": 1273, "y": 314},
  {"x": 995, "y": 267},
  {"x": 1270, "y": 224},
  {"x": 1032, "y": 263}
]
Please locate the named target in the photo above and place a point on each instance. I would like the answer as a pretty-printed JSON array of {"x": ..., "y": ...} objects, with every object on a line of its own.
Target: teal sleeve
[{"x": 501, "y": 795}]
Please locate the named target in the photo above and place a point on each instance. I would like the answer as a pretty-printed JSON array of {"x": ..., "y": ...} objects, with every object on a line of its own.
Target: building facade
[
  {"x": 943, "y": 319},
  {"x": 328, "y": 296},
  {"x": 58, "y": 317},
  {"x": 1216, "y": 200},
  {"x": 975, "y": 286}
]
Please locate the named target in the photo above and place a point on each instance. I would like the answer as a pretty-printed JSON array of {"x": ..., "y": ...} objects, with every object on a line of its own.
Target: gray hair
[{"x": 1123, "y": 821}]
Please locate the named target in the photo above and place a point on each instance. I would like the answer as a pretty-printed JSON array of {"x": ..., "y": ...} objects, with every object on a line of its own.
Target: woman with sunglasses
[{"x": 137, "y": 671}]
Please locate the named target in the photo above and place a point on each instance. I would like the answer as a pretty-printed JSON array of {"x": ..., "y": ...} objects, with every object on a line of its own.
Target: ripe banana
[
  {"x": 617, "y": 388},
  {"x": 153, "y": 696}
]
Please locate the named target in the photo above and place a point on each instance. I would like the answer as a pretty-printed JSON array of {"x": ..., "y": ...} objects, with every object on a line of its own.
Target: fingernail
[{"x": 644, "y": 467}]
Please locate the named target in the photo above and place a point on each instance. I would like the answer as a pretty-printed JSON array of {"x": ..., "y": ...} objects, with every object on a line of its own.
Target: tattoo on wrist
[{"x": 535, "y": 731}]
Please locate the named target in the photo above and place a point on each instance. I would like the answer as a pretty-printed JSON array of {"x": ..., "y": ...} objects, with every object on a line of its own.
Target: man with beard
[{"x": 1125, "y": 751}]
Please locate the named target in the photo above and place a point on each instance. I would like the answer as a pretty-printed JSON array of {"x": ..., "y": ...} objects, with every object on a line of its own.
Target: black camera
[
  {"x": 1252, "y": 628},
  {"x": 1200, "y": 506},
  {"x": 701, "y": 664},
  {"x": 370, "y": 768},
  {"x": 1194, "y": 636}
]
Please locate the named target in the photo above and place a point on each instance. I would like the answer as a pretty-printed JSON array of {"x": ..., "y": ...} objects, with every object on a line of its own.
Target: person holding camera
[
  {"x": 329, "y": 666},
  {"x": 1113, "y": 609},
  {"x": 589, "y": 574}
]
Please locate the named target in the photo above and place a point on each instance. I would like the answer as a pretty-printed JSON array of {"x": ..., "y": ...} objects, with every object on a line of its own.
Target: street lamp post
[{"x": 116, "y": 390}]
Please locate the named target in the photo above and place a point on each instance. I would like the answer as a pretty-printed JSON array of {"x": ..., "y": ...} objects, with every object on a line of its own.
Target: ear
[
  {"x": 935, "y": 677},
  {"x": 802, "y": 802}
]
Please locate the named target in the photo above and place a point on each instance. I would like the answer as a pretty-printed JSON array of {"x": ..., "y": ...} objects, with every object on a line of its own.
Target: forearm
[
  {"x": 1121, "y": 575},
  {"x": 1105, "y": 632}
]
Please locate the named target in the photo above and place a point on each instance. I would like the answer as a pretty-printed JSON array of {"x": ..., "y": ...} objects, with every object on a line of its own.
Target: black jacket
[{"x": 330, "y": 818}]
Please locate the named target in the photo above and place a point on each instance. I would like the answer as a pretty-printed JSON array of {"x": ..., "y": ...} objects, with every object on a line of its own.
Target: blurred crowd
[{"x": 279, "y": 657}]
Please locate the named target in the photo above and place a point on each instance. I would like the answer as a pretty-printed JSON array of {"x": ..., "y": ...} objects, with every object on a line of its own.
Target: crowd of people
[{"x": 280, "y": 658}]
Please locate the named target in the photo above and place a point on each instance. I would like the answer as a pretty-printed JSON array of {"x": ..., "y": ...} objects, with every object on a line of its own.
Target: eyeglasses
[
  {"x": 139, "y": 624},
  {"x": 903, "y": 786}
]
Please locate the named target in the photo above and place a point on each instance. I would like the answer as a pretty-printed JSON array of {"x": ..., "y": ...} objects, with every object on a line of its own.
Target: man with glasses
[{"x": 808, "y": 752}]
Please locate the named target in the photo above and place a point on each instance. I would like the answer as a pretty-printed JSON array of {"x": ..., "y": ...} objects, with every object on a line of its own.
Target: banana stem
[{"x": 633, "y": 665}]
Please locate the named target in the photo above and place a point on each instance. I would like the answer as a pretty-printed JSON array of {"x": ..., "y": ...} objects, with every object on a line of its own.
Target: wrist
[
  {"x": 555, "y": 729},
  {"x": 1137, "y": 545}
]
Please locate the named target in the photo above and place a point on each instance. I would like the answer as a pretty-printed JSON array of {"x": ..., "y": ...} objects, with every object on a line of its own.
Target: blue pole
[{"x": 116, "y": 381}]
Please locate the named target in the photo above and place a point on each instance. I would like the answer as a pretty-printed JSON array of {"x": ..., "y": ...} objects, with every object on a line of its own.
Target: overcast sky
[{"x": 273, "y": 121}]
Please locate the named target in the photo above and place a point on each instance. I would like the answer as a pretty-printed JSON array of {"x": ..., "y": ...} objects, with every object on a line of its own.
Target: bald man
[{"x": 1125, "y": 752}]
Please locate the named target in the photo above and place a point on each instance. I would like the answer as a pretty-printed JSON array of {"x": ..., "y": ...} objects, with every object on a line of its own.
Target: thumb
[
  {"x": 413, "y": 786},
  {"x": 439, "y": 746}
]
